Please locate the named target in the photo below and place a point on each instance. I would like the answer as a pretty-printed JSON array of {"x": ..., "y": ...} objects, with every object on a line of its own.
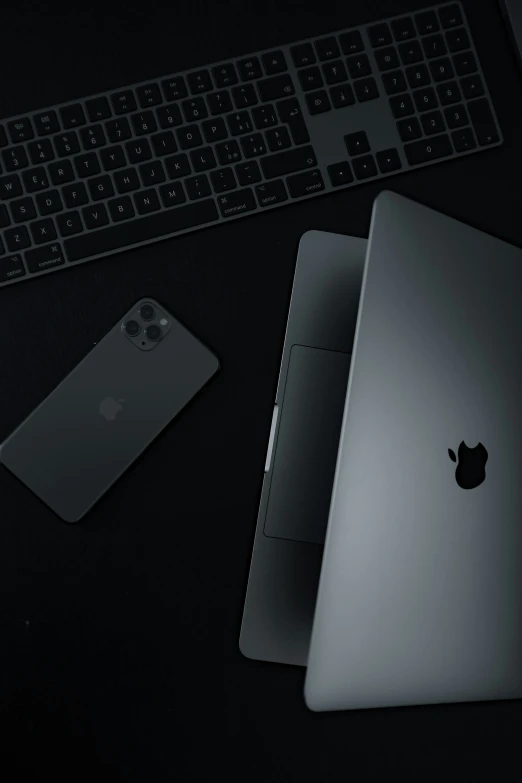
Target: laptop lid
[{"x": 420, "y": 594}]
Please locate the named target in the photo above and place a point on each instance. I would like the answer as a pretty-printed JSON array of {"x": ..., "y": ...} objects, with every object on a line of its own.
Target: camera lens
[
  {"x": 132, "y": 328},
  {"x": 153, "y": 332},
  {"x": 147, "y": 312}
]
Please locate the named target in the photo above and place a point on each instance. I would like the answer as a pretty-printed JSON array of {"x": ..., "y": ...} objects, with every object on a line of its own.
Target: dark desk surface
[{"x": 118, "y": 649}]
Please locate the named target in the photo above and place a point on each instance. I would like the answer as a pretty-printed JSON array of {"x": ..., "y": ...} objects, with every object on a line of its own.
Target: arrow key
[{"x": 388, "y": 161}]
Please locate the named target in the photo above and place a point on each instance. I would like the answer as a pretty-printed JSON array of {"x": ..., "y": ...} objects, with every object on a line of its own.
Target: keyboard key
[
  {"x": 2, "y": 251},
  {"x": 172, "y": 194},
  {"x": 434, "y": 46},
  {"x": 357, "y": 143},
  {"x": 278, "y": 87},
  {"x": 174, "y": 88},
  {"x": 43, "y": 258},
  {"x": 239, "y": 123},
  {"x": 148, "y": 95},
  {"x": 219, "y": 102},
  {"x": 340, "y": 174},
  {"x": 46, "y": 122},
  {"x": 92, "y": 137},
  {"x": 20, "y": 130},
  {"x": 43, "y": 231},
  {"x": 98, "y": 109},
  {"x": 197, "y": 187},
  {"x": 253, "y": 145},
  {"x": 342, "y": 95},
  {"x": 428, "y": 149},
  {"x": 22, "y": 210},
  {"x": 177, "y": 166},
  {"x": 311, "y": 78},
  {"x": 66, "y": 144},
  {"x": 195, "y": 109},
  {"x": 95, "y": 216},
  {"x": 169, "y": 116},
  {"x": 223, "y": 180},
  {"x": 203, "y": 159},
  {"x": 214, "y": 130},
  {"x": 287, "y": 162},
  {"x": 418, "y": 76},
  {"x": 248, "y": 173},
  {"x": 425, "y": 99},
  {"x": 139, "y": 151},
  {"x": 274, "y": 62},
  {"x": 75, "y": 195},
  {"x": 364, "y": 167},
  {"x": 14, "y": 158},
  {"x": 11, "y": 267},
  {"x": 40, "y": 151},
  {"x": 387, "y": 58},
  {"x": 123, "y": 102},
  {"x": 305, "y": 184},
  {"x": 450, "y": 16},
  {"x": 35, "y": 179},
  {"x": 277, "y": 139},
  {"x": 199, "y": 81},
  {"x": 163, "y": 143},
  {"x": 327, "y": 48},
  {"x": 465, "y": 63},
  {"x": 427, "y": 22},
  {"x": 4, "y": 216},
  {"x": 249, "y": 68},
  {"x": 121, "y": 208},
  {"x": 69, "y": 223},
  {"x": 3, "y": 137},
  {"x": 483, "y": 122},
  {"x": 61, "y": 172},
  {"x": 17, "y": 238},
  {"x": 409, "y": 129},
  {"x": 236, "y": 203},
  {"x": 403, "y": 28},
  {"x": 410, "y": 52},
  {"x": 441, "y": 69},
  {"x": 49, "y": 202},
  {"x": 456, "y": 116},
  {"x": 351, "y": 42},
  {"x": 225, "y": 75},
  {"x": 87, "y": 165},
  {"x": 126, "y": 180},
  {"x": 401, "y": 106},
  {"x": 463, "y": 140},
  {"x": 152, "y": 173},
  {"x": 100, "y": 187},
  {"x": 457, "y": 40},
  {"x": 151, "y": 227},
  {"x": 380, "y": 34},
  {"x": 318, "y": 102},
  {"x": 394, "y": 82},
  {"x": 433, "y": 122},
  {"x": 146, "y": 201},
  {"x": 118, "y": 130},
  {"x": 366, "y": 89},
  {"x": 10, "y": 186},
  {"x": 290, "y": 112},
  {"x": 388, "y": 161},
  {"x": 113, "y": 158},
  {"x": 271, "y": 193},
  {"x": 449, "y": 93},
  {"x": 303, "y": 54},
  {"x": 358, "y": 65},
  {"x": 244, "y": 96},
  {"x": 72, "y": 116},
  {"x": 264, "y": 116},
  {"x": 144, "y": 122},
  {"x": 472, "y": 87},
  {"x": 228, "y": 152},
  {"x": 335, "y": 72}
]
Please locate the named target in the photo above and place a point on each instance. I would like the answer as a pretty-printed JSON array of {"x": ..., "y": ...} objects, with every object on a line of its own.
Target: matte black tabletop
[{"x": 119, "y": 653}]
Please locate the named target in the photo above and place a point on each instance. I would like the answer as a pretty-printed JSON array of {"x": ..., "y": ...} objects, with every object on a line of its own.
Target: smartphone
[{"x": 100, "y": 418}]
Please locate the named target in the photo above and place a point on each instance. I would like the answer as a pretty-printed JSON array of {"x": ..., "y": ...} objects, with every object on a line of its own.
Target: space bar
[{"x": 141, "y": 230}]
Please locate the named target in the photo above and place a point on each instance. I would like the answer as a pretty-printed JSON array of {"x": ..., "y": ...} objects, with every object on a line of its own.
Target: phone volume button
[{"x": 271, "y": 439}]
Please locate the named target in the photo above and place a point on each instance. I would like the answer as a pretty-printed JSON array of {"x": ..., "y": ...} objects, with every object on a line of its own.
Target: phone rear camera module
[
  {"x": 153, "y": 333},
  {"x": 132, "y": 328},
  {"x": 147, "y": 312}
]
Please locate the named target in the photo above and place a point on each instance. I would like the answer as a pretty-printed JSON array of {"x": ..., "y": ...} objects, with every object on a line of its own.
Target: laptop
[{"x": 420, "y": 594}]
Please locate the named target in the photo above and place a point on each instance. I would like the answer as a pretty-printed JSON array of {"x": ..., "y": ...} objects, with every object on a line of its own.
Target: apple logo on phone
[
  {"x": 471, "y": 465},
  {"x": 109, "y": 408}
]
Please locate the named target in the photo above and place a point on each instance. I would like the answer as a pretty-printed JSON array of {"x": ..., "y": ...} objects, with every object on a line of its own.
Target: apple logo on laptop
[
  {"x": 109, "y": 408},
  {"x": 471, "y": 465}
]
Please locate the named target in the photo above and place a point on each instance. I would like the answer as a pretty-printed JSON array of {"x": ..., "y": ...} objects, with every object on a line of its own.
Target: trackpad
[{"x": 306, "y": 449}]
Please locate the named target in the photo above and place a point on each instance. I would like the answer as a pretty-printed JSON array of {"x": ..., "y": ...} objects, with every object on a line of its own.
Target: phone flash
[{"x": 163, "y": 322}]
